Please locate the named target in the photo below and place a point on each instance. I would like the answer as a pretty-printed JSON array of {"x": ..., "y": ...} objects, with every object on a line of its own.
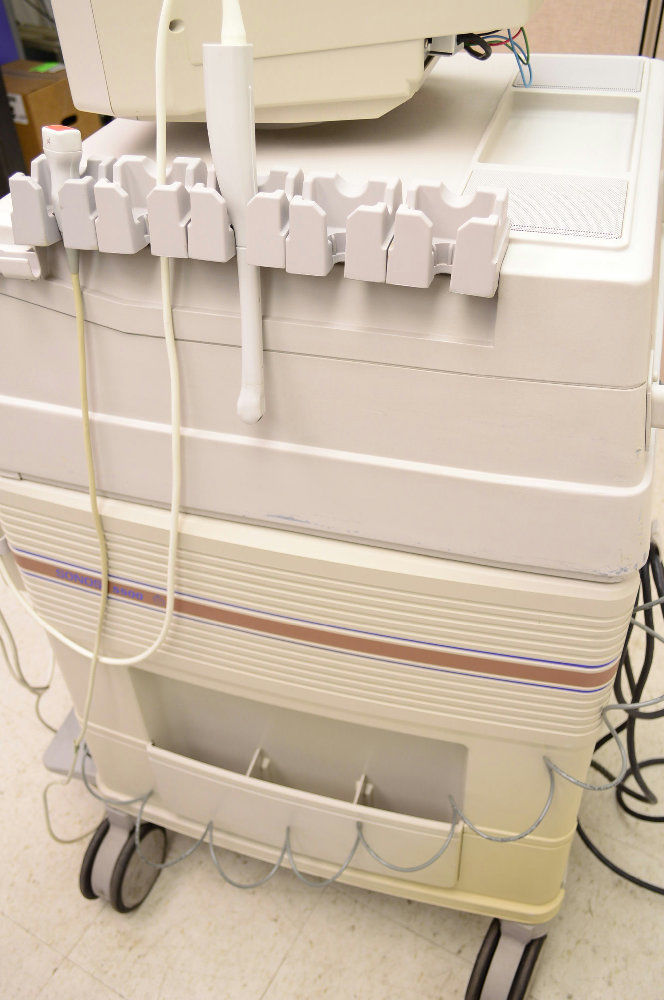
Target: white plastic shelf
[
  {"x": 302, "y": 224},
  {"x": 116, "y": 206},
  {"x": 378, "y": 236}
]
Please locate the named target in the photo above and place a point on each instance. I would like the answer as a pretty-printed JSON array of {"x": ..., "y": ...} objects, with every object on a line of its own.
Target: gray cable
[
  {"x": 510, "y": 838},
  {"x": 142, "y": 799},
  {"x": 410, "y": 868},
  {"x": 85, "y": 753},
  {"x": 325, "y": 882},
  {"x": 173, "y": 861},
  {"x": 618, "y": 706},
  {"x": 243, "y": 885},
  {"x": 10, "y": 654},
  {"x": 646, "y": 628},
  {"x": 648, "y": 606},
  {"x": 624, "y": 761},
  {"x": 13, "y": 660},
  {"x": 457, "y": 813},
  {"x": 209, "y": 829},
  {"x": 41, "y": 718}
]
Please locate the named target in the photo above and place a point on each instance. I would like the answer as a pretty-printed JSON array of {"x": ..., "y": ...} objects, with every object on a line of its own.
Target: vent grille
[
  {"x": 574, "y": 207},
  {"x": 492, "y": 627}
]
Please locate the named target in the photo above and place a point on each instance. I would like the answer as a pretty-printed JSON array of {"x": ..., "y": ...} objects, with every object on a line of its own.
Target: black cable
[
  {"x": 641, "y": 882},
  {"x": 646, "y": 17},
  {"x": 658, "y": 32},
  {"x": 657, "y": 570},
  {"x": 621, "y": 790},
  {"x": 636, "y": 682},
  {"x": 476, "y": 46},
  {"x": 629, "y": 674},
  {"x": 641, "y": 680}
]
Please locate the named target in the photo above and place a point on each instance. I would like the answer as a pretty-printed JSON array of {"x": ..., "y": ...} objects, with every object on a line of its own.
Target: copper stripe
[{"x": 539, "y": 673}]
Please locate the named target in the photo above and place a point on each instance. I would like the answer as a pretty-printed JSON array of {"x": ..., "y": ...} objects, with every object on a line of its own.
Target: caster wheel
[
  {"x": 132, "y": 878},
  {"x": 85, "y": 877},
  {"x": 526, "y": 968},
  {"x": 483, "y": 961},
  {"x": 504, "y": 964}
]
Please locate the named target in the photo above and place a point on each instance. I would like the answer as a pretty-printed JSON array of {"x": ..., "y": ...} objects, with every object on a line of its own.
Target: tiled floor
[{"x": 196, "y": 938}]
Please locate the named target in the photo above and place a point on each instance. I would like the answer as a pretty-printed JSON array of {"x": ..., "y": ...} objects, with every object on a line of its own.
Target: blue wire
[{"x": 516, "y": 50}]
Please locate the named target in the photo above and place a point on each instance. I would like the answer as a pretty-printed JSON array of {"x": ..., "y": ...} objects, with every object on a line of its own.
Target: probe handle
[
  {"x": 63, "y": 150},
  {"x": 229, "y": 107}
]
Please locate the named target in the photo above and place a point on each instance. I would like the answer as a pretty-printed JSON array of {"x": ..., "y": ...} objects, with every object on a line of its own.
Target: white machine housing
[
  {"x": 313, "y": 62},
  {"x": 311, "y": 684},
  {"x": 466, "y": 478},
  {"x": 513, "y": 430}
]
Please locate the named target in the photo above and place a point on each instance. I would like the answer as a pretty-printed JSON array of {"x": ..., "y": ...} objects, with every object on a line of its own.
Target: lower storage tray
[{"x": 321, "y": 828}]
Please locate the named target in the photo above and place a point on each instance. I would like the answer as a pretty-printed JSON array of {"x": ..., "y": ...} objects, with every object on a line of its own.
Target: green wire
[
  {"x": 516, "y": 54},
  {"x": 525, "y": 38}
]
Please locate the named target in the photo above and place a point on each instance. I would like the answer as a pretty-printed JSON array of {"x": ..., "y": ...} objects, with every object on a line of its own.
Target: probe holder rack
[
  {"x": 436, "y": 232},
  {"x": 303, "y": 224},
  {"x": 116, "y": 206},
  {"x": 332, "y": 220},
  {"x": 377, "y": 237}
]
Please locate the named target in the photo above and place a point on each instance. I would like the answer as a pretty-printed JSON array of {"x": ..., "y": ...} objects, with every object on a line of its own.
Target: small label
[
  {"x": 17, "y": 108},
  {"x": 47, "y": 67}
]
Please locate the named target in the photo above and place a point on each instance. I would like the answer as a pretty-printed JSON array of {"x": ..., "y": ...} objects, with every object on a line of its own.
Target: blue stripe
[
  {"x": 316, "y": 646},
  {"x": 338, "y": 628}
]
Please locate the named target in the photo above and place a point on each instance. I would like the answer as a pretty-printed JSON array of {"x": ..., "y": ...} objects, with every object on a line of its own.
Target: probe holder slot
[
  {"x": 117, "y": 207},
  {"x": 33, "y": 220},
  {"x": 436, "y": 232},
  {"x": 308, "y": 233}
]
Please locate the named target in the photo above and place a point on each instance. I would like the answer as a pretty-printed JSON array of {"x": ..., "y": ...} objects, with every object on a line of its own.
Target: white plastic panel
[
  {"x": 594, "y": 531},
  {"x": 77, "y": 33},
  {"x": 409, "y": 774},
  {"x": 586, "y": 72},
  {"x": 19, "y": 262},
  {"x": 327, "y": 66},
  {"x": 380, "y": 238},
  {"x": 321, "y": 828},
  {"x": 576, "y": 207},
  {"x": 565, "y": 133}
]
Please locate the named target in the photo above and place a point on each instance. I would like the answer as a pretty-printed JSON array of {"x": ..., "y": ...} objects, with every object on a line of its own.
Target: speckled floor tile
[
  {"x": 39, "y": 877},
  {"x": 195, "y": 937},
  {"x": 458, "y": 933},
  {"x": 24, "y": 738},
  {"x": 69, "y": 982},
  {"x": 26, "y": 963},
  {"x": 349, "y": 951},
  {"x": 607, "y": 941}
]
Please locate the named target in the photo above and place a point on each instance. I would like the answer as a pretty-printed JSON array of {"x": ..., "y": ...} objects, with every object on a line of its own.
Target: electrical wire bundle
[
  {"x": 636, "y": 680},
  {"x": 481, "y": 46}
]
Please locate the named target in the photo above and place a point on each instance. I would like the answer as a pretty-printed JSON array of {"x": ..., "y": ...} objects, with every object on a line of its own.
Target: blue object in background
[{"x": 8, "y": 50}]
